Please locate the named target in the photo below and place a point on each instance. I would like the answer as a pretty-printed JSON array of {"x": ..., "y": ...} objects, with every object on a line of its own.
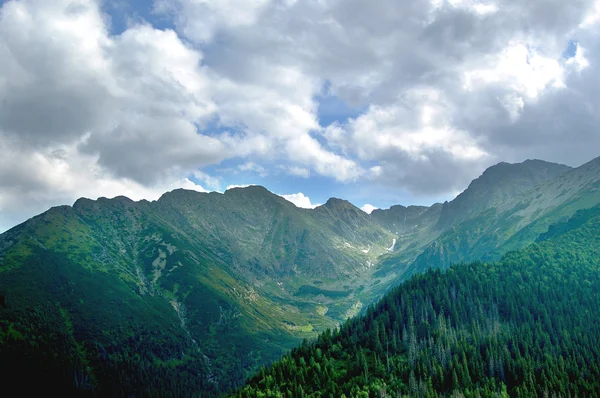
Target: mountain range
[
  {"x": 523, "y": 326},
  {"x": 193, "y": 293}
]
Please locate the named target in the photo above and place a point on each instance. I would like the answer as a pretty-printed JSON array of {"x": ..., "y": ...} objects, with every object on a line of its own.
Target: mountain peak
[
  {"x": 337, "y": 203},
  {"x": 255, "y": 189},
  {"x": 182, "y": 193},
  {"x": 83, "y": 202},
  {"x": 117, "y": 200},
  {"x": 511, "y": 170},
  {"x": 496, "y": 184}
]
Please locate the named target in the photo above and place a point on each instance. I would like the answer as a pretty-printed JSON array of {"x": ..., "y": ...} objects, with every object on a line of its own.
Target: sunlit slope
[
  {"x": 231, "y": 280},
  {"x": 516, "y": 221},
  {"x": 522, "y": 326}
]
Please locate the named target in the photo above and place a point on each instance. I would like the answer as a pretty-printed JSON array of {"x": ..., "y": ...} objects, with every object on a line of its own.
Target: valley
[{"x": 135, "y": 297}]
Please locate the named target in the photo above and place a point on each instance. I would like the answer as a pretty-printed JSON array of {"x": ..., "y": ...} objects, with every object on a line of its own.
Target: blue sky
[
  {"x": 330, "y": 109},
  {"x": 405, "y": 105},
  {"x": 124, "y": 13}
]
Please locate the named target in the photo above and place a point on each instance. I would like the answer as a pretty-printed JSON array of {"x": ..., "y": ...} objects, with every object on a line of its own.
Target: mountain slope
[
  {"x": 227, "y": 281},
  {"x": 498, "y": 184},
  {"x": 231, "y": 281},
  {"x": 401, "y": 220},
  {"x": 513, "y": 223},
  {"x": 465, "y": 228},
  {"x": 523, "y": 326}
]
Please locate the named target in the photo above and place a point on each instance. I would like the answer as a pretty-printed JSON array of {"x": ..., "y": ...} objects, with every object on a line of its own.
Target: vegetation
[
  {"x": 524, "y": 326},
  {"x": 191, "y": 294},
  {"x": 115, "y": 297},
  {"x": 76, "y": 333}
]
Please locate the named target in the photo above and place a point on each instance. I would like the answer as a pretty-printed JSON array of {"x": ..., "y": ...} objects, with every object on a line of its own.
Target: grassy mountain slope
[
  {"x": 472, "y": 226},
  {"x": 523, "y": 326},
  {"x": 196, "y": 290},
  {"x": 514, "y": 222},
  {"x": 497, "y": 185},
  {"x": 226, "y": 281}
]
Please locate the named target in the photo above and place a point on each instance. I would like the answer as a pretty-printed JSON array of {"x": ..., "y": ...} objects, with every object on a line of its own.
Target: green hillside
[
  {"x": 501, "y": 222},
  {"x": 191, "y": 294},
  {"x": 524, "y": 326}
]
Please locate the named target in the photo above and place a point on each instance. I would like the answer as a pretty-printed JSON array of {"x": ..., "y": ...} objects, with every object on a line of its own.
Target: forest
[{"x": 523, "y": 326}]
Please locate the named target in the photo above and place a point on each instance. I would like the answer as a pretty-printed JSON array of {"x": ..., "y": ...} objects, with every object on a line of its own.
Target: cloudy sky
[{"x": 380, "y": 101}]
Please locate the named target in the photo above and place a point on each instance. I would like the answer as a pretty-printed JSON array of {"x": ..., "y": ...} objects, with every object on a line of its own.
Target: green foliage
[
  {"x": 186, "y": 295},
  {"x": 499, "y": 213},
  {"x": 523, "y": 326},
  {"x": 191, "y": 294},
  {"x": 77, "y": 333}
]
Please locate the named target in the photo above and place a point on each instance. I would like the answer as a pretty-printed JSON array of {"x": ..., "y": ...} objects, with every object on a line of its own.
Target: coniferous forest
[{"x": 524, "y": 326}]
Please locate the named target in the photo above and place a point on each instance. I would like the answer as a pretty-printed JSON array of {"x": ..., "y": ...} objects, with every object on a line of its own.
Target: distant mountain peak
[
  {"x": 185, "y": 194},
  {"x": 505, "y": 169},
  {"x": 337, "y": 203},
  {"x": 496, "y": 184},
  {"x": 251, "y": 187},
  {"x": 81, "y": 202},
  {"x": 117, "y": 200}
]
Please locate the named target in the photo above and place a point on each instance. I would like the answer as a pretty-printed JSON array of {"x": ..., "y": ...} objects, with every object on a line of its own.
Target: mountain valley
[{"x": 191, "y": 294}]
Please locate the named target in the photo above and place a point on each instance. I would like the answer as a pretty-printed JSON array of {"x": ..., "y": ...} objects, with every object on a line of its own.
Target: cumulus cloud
[
  {"x": 218, "y": 15},
  {"x": 233, "y": 186},
  {"x": 88, "y": 114},
  {"x": 367, "y": 208},
  {"x": 414, "y": 143},
  {"x": 300, "y": 200},
  {"x": 440, "y": 89},
  {"x": 442, "y": 81}
]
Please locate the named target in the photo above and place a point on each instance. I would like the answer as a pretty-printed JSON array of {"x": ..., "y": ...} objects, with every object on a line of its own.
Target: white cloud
[
  {"x": 439, "y": 90},
  {"x": 300, "y": 200},
  {"x": 251, "y": 166},
  {"x": 233, "y": 186},
  {"x": 472, "y": 6},
  {"x": 299, "y": 171},
  {"x": 592, "y": 18},
  {"x": 578, "y": 61},
  {"x": 520, "y": 69},
  {"x": 85, "y": 113},
  {"x": 59, "y": 175},
  {"x": 207, "y": 180},
  {"x": 427, "y": 73},
  {"x": 414, "y": 152},
  {"x": 367, "y": 208},
  {"x": 307, "y": 150},
  {"x": 215, "y": 15}
]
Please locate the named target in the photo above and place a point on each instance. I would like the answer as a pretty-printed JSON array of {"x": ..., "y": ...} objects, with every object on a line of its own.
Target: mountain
[
  {"x": 466, "y": 228},
  {"x": 195, "y": 291},
  {"x": 195, "y": 283},
  {"x": 401, "y": 219},
  {"x": 523, "y": 326},
  {"x": 498, "y": 184},
  {"x": 515, "y": 221}
]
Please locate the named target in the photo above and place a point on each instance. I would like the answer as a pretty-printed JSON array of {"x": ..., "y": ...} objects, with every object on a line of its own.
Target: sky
[{"x": 380, "y": 102}]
